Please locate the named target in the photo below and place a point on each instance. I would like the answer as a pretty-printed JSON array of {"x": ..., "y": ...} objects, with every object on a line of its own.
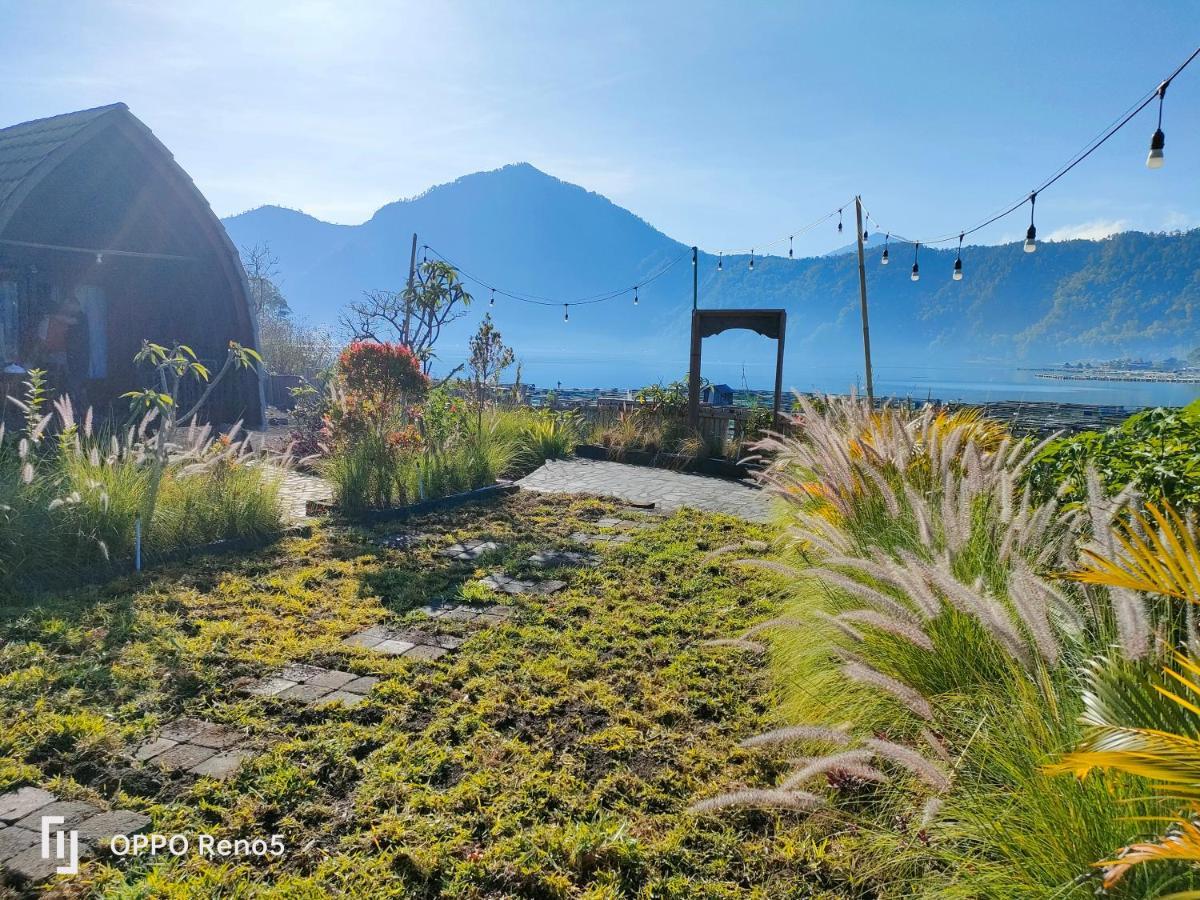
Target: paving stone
[
  {"x": 554, "y": 558},
  {"x": 97, "y": 830},
  {"x": 331, "y": 678},
  {"x": 300, "y": 672},
  {"x": 18, "y": 804},
  {"x": 469, "y": 550},
  {"x": 498, "y": 581},
  {"x": 183, "y": 756},
  {"x": 28, "y": 865},
  {"x": 394, "y": 648},
  {"x": 346, "y": 698},
  {"x": 269, "y": 686},
  {"x": 305, "y": 693},
  {"x": 423, "y": 651},
  {"x": 152, "y": 748},
  {"x": 182, "y": 729},
  {"x": 361, "y": 685},
  {"x": 460, "y": 614},
  {"x": 72, "y": 811},
  {"x": 218, "y": 737},
  {"x": 220, "y": 765},
  {"x": 365, "y": 641},
  {"x": 610, "y": 522},
  {"x": 13, "y": 840},
  {"x": 405, "y": 541}
]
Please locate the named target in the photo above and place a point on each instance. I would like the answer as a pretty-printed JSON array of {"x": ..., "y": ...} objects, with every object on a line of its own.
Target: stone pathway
[
  {"x": 21, "y": 814},
  {"x": 196, "y": 747},
  {"x": 313, "y": 685},
  {"x": 300, "y": 487},
  {"x": 669, "y": 490},
  {"x": 409, "y": 643},
  {"x": 468, "y": 550},
  {"x": 505, "y": 584}
]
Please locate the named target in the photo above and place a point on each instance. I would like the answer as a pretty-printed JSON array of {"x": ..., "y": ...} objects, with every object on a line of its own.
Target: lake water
[{"x": 970, "y": 383}]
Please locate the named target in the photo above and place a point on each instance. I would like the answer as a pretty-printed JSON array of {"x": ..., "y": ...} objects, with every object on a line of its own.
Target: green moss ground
[{"x": 554, "y": 756}]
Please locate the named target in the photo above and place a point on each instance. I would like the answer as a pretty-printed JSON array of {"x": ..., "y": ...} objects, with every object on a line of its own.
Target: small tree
[
  {"x": 414, "y": 318},
  {"x": 262, "y": 272},
  {"x": 489, "y": 357}
]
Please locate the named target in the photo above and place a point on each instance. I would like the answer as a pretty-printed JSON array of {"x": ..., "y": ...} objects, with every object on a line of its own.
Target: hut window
[{"x": 8, "y": 322}]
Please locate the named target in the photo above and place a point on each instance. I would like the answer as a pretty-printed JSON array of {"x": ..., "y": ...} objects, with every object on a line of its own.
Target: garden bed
[
  {"x": 718, "y": 468},
  {"x": 399, "y": 513}
]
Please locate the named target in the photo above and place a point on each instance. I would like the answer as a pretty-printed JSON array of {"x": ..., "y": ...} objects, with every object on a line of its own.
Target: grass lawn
[{"x": 552, "y": 756}]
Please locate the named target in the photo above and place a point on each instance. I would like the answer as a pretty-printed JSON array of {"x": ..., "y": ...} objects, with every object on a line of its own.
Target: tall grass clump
[
  {"x": 935, "y": 674},
  {"x": 71, "y": 493}
]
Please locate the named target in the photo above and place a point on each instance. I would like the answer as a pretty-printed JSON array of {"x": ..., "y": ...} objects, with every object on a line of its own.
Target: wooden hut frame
[{"x": 770, "y": 323}]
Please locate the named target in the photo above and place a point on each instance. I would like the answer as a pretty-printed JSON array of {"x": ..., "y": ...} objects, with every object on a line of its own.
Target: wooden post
[
  {"x": 779, "y": 370},
  {"x": 412, "y": 278},
  {"x": 695, "y": 276},
  {"x": 694, "y": 374},
  {"x": 862, "y": 295}
]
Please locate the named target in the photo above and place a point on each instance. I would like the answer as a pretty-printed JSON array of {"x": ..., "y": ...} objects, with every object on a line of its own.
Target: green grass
[{"x": 551, "y": 757}]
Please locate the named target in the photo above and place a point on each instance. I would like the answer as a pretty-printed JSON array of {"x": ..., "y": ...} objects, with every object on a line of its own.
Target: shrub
[
  {"x": 385, "y": 372},
  {"x": 545, "y": 435}
]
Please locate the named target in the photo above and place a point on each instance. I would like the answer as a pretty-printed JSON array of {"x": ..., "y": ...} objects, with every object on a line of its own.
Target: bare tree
[
  {"x": 262, "y": 270},
  {"x": 413, "y": 318}
]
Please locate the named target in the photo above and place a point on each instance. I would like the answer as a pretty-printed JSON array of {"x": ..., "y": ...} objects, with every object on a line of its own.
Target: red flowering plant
[{"x": 379, "y": 386}]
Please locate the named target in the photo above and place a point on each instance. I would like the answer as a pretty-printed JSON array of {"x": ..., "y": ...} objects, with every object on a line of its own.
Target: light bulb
[
  {"x": 884, "y": 259},
  {"x": 1031, "y": 240},
  {"x": 566, "y": 315},
  {"x": 721, "y": 263},
  {"x": 916, "y": 273},
  {"x": 635, "y": 297},
  {"x": 492, "y": 301},
  {"x": 1155, "y": 159},
  {"x": 957, "y": 270},
  {"x": 751, "y": 260}
]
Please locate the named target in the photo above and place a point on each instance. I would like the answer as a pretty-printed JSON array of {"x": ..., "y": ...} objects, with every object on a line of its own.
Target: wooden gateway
[
  {"x": 770, "y": 323},
  {"x": 105, "y": 241}
]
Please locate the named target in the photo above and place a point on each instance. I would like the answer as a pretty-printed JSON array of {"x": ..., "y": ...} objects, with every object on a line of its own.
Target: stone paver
[
  {"x": 551, "y": 559},
  {"x": 635, "y": 484},
  {"x": 505, "y": 584},
  {"x": 312, "y": 685},
  {"x": 197, "y": 747},
  {"x": 298, "y": 488},
  {"x": 582, "y": 537},
  {"x": 411, "y": 643},
  {"x": 21, "y": 814},
  {"x": 405, "y": 541},
  {"x": 469, "y": 550}
]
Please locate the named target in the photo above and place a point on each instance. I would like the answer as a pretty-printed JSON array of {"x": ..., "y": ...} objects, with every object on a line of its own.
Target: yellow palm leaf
[
  {"x": 1159, "y": 557},
  {"x": 1180, "y": 843}
]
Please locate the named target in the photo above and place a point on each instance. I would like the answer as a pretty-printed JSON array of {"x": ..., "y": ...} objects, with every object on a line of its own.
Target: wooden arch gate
[{"x": 770, "y": 323}]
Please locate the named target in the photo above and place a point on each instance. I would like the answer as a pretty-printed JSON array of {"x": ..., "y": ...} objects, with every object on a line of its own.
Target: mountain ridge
[{"x": 524, "y": 230}]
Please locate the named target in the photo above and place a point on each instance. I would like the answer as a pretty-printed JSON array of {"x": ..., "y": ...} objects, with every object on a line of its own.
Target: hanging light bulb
[
  {"x": 721, "y": 261},
  {"x": 790, "y": 237},
  {"x": 635, "y": 296},
  {"x": 884, "y": 259},
  {"x": 492, "y": 301},
  {"x": 566, "y": 315},
  {"x": 1031, "y": 234},
  {"x": 752, "y": 259},
  {"x": 916, "y": 270},
  {"x": 1155, "y": 159},
  {"x": 839, "y": 221},
  {"x": 866, "y": 237},
  {"x": 957, "y": 276}
]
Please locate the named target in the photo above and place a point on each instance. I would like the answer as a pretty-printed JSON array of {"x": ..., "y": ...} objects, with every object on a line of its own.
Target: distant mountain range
[{"x": 1133, "y": 294}]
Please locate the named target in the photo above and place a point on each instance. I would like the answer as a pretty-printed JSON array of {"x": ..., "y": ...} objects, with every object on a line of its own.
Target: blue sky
[{"x": 722, "y": 124}]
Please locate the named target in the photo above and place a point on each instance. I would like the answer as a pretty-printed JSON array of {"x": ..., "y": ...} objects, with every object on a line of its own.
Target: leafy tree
[
  {"x": 413, "y": 317},
  {"x": 489, "y": 357}
]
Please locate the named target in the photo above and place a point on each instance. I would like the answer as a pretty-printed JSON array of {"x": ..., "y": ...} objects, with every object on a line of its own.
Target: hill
[{"x": 1133, "y": 294}]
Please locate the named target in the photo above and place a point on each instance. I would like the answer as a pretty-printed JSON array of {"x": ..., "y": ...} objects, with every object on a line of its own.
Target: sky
[{"x": 726, "y": 125}]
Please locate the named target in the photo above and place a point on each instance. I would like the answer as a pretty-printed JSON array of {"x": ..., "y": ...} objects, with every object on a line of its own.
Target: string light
[
  {"x": 566, "y": 314},
  {"x": 492, "y": 301},
  {"x": 751, "y": 259},
  {"x": 635, "y": 296},
  {"x": 883, "y": 260},
  {"x": 916, "y": 272},
  {"x": 721, "y": 261},
  {"x": 790, "y": 238},
  {"x": 1159, "y": 140},
  {"x": 839, "y": 221},
  {"x": 1031, "y": 234},
  {"x": 957, "y": 276}
]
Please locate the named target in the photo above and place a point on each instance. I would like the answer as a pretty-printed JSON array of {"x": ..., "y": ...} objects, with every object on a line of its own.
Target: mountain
[{"x": 520, "y": 229}]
